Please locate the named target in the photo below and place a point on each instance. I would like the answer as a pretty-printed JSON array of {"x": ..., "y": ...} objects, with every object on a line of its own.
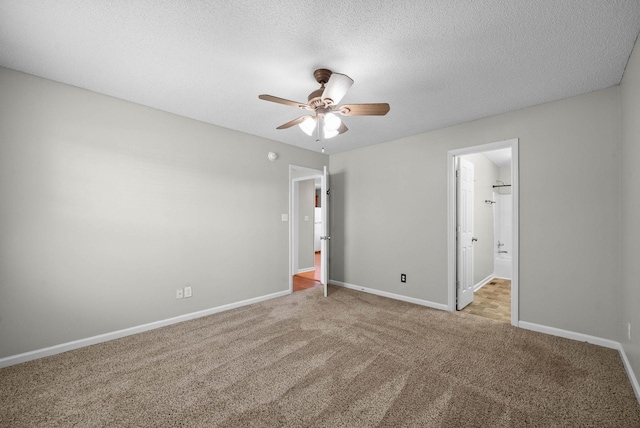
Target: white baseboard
[
  {"x": 589, "y": 339},
  {"x": 632, "y": 377},
  {"x": 81, "y": 343},
  {"x": 311, "y": 269},
  {"x": 580, "y": 337},
  {"x": 482, "y": 283},
  {"x": 427, "y": 303}
]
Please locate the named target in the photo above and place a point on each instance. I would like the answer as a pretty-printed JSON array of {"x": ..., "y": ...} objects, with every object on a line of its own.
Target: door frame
[
  {"x": 296, "y": 174},
  {"x": 451, "y": 220}
]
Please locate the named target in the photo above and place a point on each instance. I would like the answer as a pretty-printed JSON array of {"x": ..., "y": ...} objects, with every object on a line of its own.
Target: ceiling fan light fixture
[
  {"x": 331, "y": 122},
  {"x": 329, "y": 133},
  {"x": 308, "y": 125}
]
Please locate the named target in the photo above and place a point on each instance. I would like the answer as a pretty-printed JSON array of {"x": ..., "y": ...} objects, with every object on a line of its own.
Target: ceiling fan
[{"x": 323, "y": 103}]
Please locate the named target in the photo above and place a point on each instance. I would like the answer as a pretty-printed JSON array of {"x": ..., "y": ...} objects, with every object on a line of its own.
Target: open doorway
[
  {"x": 307, "y": 225},
  {"x": 483, "y": 195},
  {"x": 306, "y": 228}
]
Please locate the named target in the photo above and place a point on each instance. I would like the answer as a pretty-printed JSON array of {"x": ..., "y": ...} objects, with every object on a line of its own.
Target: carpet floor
[{"x": 349, "y": 360}]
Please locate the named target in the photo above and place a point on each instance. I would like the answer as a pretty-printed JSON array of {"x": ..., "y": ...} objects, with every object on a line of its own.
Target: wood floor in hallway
[
  {"x": 310, "y": 279},
  {"x": 492, "y": 301}
]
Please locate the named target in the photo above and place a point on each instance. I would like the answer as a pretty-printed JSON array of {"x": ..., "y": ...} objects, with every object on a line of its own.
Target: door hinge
[{"x": 457, "y": 173}]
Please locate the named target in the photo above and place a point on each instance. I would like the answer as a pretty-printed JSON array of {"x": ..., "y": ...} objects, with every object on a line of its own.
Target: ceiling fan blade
[
  {"x": 283, "y": 101},
  {"x": 376, "y": 109},
  {"x": 337, "y": 87},
  {"x": 293, "y": 122}
]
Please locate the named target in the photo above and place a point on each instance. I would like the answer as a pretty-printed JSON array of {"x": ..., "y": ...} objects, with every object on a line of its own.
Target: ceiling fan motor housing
[
  {"x": 315, "y": 98},
  {"x": 322, "y": 75}
]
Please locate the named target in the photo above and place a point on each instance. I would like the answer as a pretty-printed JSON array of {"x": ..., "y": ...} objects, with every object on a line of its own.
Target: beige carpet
[{"x": 351, "y": 359}]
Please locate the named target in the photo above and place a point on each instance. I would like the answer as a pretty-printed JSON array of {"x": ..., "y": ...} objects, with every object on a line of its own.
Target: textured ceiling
[{"x": 437, "y": 63}]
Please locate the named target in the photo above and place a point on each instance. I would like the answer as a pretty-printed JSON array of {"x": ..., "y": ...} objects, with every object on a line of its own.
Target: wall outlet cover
[{"x": 179, "y": 293}]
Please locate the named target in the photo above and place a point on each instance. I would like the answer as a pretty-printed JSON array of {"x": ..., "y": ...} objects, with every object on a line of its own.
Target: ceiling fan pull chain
[{"x": 319, "y": 136}]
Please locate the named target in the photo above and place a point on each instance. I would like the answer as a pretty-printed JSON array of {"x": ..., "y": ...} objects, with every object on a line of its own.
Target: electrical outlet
[
  {"x": 403, "y": 277},
  {"x": 179, "y": 293},
  {"x": 187, "y": 291},
  {"x": 629, "y": 330}
]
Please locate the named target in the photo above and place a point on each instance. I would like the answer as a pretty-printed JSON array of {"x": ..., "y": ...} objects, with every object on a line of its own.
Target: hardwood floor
[
  {"x": 493, "y": 301},
  {"x": 311, "y": 279}
]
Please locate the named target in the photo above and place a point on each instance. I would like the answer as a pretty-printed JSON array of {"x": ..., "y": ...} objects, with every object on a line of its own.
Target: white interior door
[
  {"x": 324, "y": 235},
  {"x": 464, "y": 229}
]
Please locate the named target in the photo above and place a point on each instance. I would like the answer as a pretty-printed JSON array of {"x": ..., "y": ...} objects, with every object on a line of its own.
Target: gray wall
[
  {"x": 485, "y": 175},
  {"x": 505, "y": 177},
  {"x": 390, "y": 211},
  {"x": 107, "y": 207},
  {"x": 630, "y": 206},
  {"x": 306, "y": 202}
]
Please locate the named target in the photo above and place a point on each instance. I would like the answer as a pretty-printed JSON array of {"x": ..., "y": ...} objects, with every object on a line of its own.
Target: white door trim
[
  {"x": 324, "y": 239},
  {"x": 451, "y": 220}
]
